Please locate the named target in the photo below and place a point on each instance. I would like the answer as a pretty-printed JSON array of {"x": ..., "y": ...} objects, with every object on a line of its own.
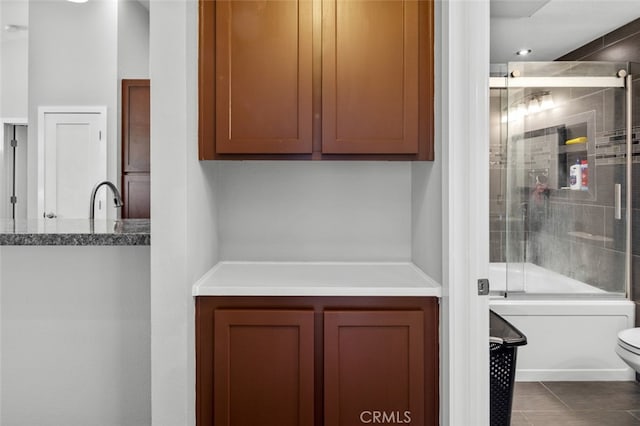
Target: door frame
[
  {"x": 4, "y": 121},
  {"x": 463, "y": 122},
  {"x": 42, "y": 111}
]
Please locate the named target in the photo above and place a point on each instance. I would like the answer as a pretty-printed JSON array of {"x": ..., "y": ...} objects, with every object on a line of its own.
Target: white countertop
[{"x": 316, "y": 279}]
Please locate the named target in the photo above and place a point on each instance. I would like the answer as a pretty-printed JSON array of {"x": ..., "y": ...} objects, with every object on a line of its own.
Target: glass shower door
[{"x": 566, "y": 179}]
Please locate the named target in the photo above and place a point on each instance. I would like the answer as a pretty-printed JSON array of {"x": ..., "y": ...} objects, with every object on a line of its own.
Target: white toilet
[{"x": 628, "y": 347}]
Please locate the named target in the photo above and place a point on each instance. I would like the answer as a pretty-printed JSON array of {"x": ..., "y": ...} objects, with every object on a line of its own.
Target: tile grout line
[
  {"x": 632, "y": 414},
  {"x": 529, "y": 423},
  {"x": 556, "y": 396}
]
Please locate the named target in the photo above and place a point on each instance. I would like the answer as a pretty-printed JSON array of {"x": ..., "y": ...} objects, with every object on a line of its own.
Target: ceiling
[{"x": 552, "y": 28}]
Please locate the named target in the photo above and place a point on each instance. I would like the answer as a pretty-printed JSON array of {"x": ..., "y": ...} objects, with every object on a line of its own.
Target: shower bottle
[
  {"x": 584, "y": 170},
  {"x": 575, "y": 176}
]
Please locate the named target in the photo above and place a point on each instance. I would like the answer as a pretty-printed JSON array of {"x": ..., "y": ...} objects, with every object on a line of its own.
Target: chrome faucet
[{"x": 117, "y": 200}]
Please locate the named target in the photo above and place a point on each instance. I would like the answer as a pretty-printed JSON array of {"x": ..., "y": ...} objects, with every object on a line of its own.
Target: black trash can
[{"x": 504, "y": 340}]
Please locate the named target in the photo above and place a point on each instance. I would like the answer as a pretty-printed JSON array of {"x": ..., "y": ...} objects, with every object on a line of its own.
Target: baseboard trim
[{"x": 604, "y": 375}]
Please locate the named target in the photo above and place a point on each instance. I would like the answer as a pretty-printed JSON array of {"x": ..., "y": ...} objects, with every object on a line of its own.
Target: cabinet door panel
[
  {"x": 136, "y": 195},
  {"x": 264, "y": 76},
  {"x": 370, "y": 76},
  {"x": 263, "y": 368},
  {"x": 136, "y": 124},
  {"x": 374, "y": 367}
]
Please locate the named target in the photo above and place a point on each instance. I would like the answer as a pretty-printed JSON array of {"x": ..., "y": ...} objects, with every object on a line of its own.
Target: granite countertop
[
  {"x": 75, "y": 232},
  {"x": 316, "y": 279}
]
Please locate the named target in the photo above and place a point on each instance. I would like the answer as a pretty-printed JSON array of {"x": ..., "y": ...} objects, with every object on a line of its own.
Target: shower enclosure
[
  {"x": 563, "y": 137},
  {"x": 561, "y": 160}
]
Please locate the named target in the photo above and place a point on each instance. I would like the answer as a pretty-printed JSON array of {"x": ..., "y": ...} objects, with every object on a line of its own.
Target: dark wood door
[
  {"x": 264, "y": 76},
  {"x": 136, "y": 145},
  {"x": 370, "y": 74},
  {"x": 264, "y": 368},
  {"x": 374, "y": 367}
]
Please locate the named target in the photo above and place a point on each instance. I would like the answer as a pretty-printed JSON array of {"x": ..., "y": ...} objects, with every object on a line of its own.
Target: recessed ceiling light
[
  {"x": 523, "y": 52},
  {"x": 78, "y": 1}
]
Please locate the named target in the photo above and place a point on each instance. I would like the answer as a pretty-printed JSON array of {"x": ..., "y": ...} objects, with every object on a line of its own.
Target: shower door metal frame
[
  {"x": 623, "y": 80},
  {"x": 628, "y": 256}
]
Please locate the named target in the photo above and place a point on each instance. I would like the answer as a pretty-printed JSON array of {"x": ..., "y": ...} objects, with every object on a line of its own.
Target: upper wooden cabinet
[
  {"x": 263, "y": 68},
  {"x": 312, "y": 79},
  {"x": 370, "y": 77}
]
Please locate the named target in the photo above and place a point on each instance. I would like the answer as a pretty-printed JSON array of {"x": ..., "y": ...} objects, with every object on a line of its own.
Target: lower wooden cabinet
[
  {"x": 312, "y": 361},
  {"x": 373, "y": 367},
  {"x": 263, "y": 364}
]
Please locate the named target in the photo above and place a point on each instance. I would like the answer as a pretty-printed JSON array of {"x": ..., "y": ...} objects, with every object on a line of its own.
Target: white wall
[
  {"x": 13, "y": 59},
  {"x": 342, "y": 211},
  {"x": 133, "y": 40},
  {"x": 426, "y": 215},
  {"x": 72, "y": 61},
  {"x": 75, "y": 336}
]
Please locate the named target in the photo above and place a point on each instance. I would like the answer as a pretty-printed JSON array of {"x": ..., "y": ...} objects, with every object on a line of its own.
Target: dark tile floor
[{"x": 576, "y": 404}]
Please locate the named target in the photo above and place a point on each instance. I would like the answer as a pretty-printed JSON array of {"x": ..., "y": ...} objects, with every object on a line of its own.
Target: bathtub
[
  {"x": 571, "y": 327},
  {"x": 529, "y": 280}
]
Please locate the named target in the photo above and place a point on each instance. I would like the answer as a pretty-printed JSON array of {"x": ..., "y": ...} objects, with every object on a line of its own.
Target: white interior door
[{"x": 75, "y": 159}]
